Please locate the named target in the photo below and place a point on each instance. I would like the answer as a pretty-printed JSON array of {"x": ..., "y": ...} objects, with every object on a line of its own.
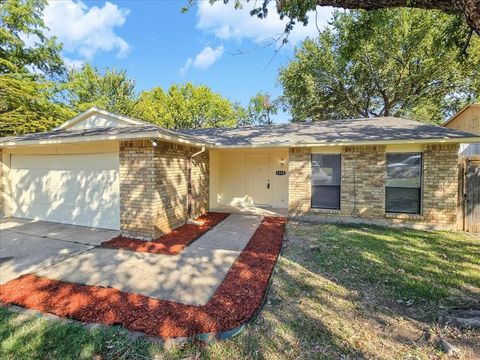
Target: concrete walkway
[
  {"x": 191, "y": 277},
  {"x": 27, "y": 246}
]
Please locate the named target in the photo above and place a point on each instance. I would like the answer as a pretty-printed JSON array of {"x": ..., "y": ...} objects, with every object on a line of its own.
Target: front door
[{"x": 259, "y": 185}]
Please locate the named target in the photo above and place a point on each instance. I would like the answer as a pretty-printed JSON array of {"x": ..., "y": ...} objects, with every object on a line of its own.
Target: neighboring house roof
[
  {"x": 330, "y": 132},
  {"x": 460, "y": 112},
  {"x": 381, "y": 129}
]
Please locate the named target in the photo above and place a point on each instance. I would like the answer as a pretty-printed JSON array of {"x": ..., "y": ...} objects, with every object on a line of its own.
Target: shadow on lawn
[
  {"x": 292, "y": 325},
  {"x": 32, "y": 337},
  {"x": 365, "y": 270},
  {"x": 410, "y": 264}
]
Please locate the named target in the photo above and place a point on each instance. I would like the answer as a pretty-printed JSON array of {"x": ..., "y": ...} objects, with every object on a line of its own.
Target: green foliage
[
  {"x": 259, "y": 110},
  {"x": 113, "y": 91},
  {"x": 186, "y": 106},
  {"x": 380, "y": 63},
  {"x": 26, "y": 105},
  {"x": 26, "y": 99},
  {"x": 21, "y": 21}
]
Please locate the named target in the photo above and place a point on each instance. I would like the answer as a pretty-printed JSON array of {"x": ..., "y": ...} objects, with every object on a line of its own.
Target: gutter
[
  {"x": 92, "y": 138},
  {"x": 468, "y": 140},
  {"x": 204, "y": 144},
  {"x": 189, "y": 185}
]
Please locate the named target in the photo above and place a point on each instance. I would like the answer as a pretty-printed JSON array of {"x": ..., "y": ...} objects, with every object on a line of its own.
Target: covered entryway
[
  {"x": 249, "y": 180},
  {"x": 259, "y": 175},
  {"x": 78, "y": 189}
]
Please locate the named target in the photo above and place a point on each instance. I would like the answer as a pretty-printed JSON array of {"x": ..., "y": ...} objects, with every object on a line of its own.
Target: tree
[
  {"x": 186, "y": 107},
  {"x": 389, "y": 62},
  {"x": 26, "y": 105},
  {"x": 112, "y": 91},
  {"x": 27, "y": 97},
  {"x": 259, "y": 110},
  {"x": 296, "y": 10},
  {"x": 21, "y": 21}
]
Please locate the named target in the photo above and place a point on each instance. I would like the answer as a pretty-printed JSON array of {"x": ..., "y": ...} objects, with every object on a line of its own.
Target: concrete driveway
[
  {"x": 69, "y": 253},
  {"x": 27, "y": 246}
]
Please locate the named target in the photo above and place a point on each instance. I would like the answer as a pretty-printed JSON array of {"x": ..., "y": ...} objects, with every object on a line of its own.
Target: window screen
[
  {"x": 403, "y": 186},
  {"x": 326, "y": 179}
]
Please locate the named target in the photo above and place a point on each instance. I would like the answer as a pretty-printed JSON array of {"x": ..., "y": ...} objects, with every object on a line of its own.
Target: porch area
[
  {"x": 252, "y": 210},
  {"x": 249, "y": 181}
]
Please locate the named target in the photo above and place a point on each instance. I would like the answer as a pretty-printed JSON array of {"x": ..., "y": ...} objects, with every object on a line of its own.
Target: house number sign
[{"x": 280, "y": 172}]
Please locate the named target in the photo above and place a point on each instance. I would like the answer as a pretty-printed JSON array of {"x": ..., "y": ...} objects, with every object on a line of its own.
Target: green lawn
[{"x": 340, "y": 291}]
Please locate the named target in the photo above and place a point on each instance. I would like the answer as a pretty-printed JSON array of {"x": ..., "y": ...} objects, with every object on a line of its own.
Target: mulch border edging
[
  {"x": 202, "y": 337},
  {"x": 253, "y": 256},
  {"x": 184, "y": 236},
  {"x": 227, "y": 334}
]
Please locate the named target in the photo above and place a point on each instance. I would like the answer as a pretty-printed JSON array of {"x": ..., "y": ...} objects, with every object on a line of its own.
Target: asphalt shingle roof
[
  {"x": 105, "y": 131},
  {"x": 330, "y": 131},
  {"x": 321, "y": 132}
]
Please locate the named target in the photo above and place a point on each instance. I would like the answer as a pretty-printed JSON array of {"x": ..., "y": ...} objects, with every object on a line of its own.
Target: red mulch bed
[
  {"x": 172, "y": 243},
  {"x": 235, "y": 301}
]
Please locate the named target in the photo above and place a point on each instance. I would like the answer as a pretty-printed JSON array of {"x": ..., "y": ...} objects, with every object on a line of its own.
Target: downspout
[{"x": 189, "y": 185}]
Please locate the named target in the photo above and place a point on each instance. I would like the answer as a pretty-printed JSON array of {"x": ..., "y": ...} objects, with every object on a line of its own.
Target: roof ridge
[{"x": 298, "y": 123}]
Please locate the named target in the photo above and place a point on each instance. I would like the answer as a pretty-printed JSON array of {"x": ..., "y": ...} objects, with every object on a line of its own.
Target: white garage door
[{"x": 80, "y": 189}]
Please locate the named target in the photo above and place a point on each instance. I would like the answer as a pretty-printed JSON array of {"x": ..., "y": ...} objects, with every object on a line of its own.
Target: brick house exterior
[
  {"x": 363, "y": 187},
  {"x": 153, "y": 187},
  {"x": 144, "y": 171}
]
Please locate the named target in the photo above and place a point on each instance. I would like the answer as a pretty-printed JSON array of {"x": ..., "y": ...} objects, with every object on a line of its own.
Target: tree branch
[{"x": 469, "y": 8}]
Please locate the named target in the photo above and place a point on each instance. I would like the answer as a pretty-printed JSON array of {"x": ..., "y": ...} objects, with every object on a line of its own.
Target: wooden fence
[{"x": 469, "y": 194}]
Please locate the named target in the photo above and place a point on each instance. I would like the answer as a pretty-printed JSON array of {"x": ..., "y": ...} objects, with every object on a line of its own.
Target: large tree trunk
[{"x": 469, "y": 8}]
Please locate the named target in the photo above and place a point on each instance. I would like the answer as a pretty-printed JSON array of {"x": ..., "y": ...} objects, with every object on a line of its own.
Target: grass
[{"x": 340, "y": 292}]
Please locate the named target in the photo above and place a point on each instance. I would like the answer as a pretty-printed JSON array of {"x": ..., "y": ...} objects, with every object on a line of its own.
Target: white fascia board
[{"x": 350, "y": 143}]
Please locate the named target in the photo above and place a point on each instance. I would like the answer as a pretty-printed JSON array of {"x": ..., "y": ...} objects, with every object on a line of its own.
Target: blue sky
[{"x": 158, "y": 45}]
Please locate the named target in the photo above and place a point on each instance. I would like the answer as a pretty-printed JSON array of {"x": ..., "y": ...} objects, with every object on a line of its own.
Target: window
[
  {"x": 326, "y": 177},
  {"x": 403, "y": 187}
]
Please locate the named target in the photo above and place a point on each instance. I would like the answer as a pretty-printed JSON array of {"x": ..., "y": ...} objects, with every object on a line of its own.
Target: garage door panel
[
  {"x": 66, "y": 162},
  {"x": 95, "y": 205},
  {"x": 63, "y": 192},
  {"x": 41, "y": 186},
  {"x": 69, "y": 215}
]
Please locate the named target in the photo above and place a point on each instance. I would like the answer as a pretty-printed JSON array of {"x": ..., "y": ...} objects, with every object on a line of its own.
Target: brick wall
[
  {"x": 363, "y": 187},
  {"x": 299, "y": 180},
  {"x": 137, "y": 188},
  {"x": 171, "y": 164},
  {"x": 153, "y": 187},
  {"x": 440, "y": 183},
  {"x": 363, "y": 178}
]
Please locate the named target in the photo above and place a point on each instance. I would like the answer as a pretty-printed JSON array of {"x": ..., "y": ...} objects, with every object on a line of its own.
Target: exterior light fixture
[{"x": 282, "y": 161}]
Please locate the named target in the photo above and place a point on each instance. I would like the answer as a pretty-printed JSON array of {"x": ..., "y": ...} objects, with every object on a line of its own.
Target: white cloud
[
  {"x": 86, "y": 30},
  {"x": 73, "y": 63},
  {"x": 225, "y": 22},
  {"x": 204, "y": 59}
]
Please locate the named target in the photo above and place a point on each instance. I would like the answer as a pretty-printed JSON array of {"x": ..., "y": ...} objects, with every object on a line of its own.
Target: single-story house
[
  {"x": 468, "y": 120},
  {"x": 106, "y": 170}
]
